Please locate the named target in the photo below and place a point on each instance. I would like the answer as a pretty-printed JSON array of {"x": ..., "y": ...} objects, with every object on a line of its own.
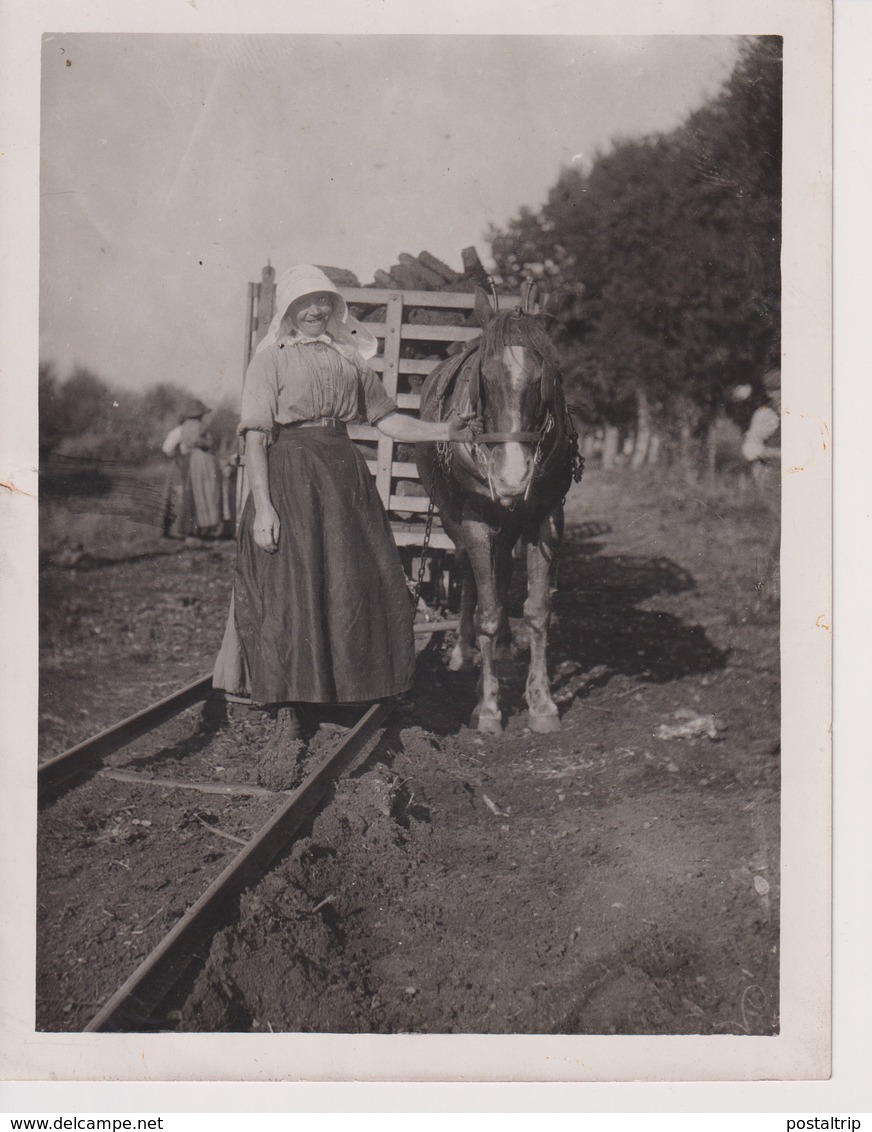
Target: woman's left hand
[
  {"x": 267, "y": 528},
  {"x": 464, "y": 429}
]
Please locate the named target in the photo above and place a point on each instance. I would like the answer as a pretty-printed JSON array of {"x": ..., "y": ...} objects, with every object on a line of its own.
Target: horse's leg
[
  {"x": 462, "y": 657},
  {"x": 478, "y": 542},
  {"x": 541, "y": 568},
  {"x": 504, "y": 648}
]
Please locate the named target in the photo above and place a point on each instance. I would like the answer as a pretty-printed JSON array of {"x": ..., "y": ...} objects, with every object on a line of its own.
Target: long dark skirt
[{"x": 327, "y": 618}]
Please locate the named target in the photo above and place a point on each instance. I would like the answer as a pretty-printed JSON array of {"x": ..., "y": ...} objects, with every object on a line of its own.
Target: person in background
[
  {"x": 761, "y": 447},
  {"x": 193, "y": 493},
  {"x": 761, "y": 440}
]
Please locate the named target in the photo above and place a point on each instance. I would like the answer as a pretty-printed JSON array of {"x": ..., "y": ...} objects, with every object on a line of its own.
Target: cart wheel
[
  {"x": 450, "y": 588},
  {"x": 443, "y": 586}
]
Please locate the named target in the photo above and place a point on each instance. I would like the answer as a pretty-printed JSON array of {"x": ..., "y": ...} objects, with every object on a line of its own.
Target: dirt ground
[{"x": 620, "y": 876}]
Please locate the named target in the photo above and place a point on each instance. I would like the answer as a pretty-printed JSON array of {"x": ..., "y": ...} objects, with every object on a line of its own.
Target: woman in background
[
  {"x": 193, "y": 493},
  {"x": 761, "y": 443},
  {"x": 761, "y": 448}
]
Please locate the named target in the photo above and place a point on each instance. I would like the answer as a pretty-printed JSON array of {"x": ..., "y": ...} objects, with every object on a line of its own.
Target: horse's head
[{"x": 513, "y": 390}]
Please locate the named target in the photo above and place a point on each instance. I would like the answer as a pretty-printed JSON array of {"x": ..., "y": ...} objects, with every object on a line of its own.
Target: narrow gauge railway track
[
  {"x": 73, "y": 766},
  {"x": 133, "y": 1003}
]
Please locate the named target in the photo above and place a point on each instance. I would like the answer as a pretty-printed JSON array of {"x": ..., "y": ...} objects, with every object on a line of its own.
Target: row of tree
[
  {"x": 668, "y": 251},
  {"x": 83, "y": 416}
]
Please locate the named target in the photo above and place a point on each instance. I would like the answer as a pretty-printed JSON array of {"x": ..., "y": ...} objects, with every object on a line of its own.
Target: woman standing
[
  {"x": 321, "y": 611},
  {"x": 193, "y": 495},
  {"x": 760, "y": 443}
]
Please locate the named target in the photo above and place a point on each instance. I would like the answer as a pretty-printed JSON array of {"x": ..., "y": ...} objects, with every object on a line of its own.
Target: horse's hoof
[
  {"x": 489, "y": 724},
  {"x": 544, "y": 724}
]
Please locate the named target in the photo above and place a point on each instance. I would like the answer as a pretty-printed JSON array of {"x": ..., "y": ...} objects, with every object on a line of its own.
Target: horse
[{"x": 506, "y": 487}]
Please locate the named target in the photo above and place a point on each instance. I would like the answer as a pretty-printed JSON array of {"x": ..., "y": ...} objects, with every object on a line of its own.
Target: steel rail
[
  {"x": 69, "y": 767},
  {"x": 135, "y": 1000}
]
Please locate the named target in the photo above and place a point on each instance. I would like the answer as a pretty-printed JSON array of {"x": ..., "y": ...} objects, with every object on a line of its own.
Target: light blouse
[
  {"x": 300, "y": 379},
  {"x": 765, "y": 423},
  {"x": 184, "y": 438}
]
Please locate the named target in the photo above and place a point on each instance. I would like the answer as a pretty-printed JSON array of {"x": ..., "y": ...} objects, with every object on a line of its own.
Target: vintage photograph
[
  {"x": 414, "y": 619},
  {"x": 409, "y": 534}
]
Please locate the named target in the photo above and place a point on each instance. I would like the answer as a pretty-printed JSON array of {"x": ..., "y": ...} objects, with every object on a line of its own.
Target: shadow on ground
[{"x": 598, "y": 632}]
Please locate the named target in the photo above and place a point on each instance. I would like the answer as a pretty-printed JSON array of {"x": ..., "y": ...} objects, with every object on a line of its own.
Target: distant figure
[
  {"x": 761, "y": 447},
  {"x": 765, "y": 423},
  {"x": 761, "y": 442},
  {"x": 193, "y": 493}
]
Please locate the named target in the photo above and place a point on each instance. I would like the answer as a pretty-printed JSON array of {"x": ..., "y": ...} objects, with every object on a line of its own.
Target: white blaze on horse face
[
  {"x": 514, "y": 469},
  {"x": 513, "y": 364}
]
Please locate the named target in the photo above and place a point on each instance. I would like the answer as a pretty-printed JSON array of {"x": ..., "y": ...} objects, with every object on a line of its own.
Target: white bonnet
[{"x": 304, "y": 279}]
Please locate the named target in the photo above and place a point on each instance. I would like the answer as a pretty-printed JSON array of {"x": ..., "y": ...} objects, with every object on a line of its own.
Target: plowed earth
[{"x": 620, "y": 876}]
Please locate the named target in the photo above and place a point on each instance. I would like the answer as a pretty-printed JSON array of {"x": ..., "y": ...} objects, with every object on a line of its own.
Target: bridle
[
  {"x": 529, "y": 291},
  {"x": 554, "y": 416},
  {"x": 507, "y": 437},
  {"x": 482, "y": 440},
  {"x": 537, "y": 438}
]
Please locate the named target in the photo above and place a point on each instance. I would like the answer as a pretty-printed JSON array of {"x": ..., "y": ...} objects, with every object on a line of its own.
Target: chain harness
[
  {"x": 415, "y": 588},
  {"x": 443, "y": 467}
]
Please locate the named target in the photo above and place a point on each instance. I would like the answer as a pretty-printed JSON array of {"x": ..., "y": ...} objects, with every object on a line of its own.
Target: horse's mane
[{"x": 512, "y": 328}]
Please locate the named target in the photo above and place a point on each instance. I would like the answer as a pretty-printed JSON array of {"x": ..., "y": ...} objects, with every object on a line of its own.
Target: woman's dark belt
[{"x": 321, "y": 422}]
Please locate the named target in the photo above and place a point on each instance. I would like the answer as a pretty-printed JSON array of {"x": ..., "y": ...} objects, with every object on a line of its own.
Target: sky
[{"x": 174, "y": 166}]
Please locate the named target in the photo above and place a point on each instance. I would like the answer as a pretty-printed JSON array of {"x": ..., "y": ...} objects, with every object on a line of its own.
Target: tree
[
  {"x": 86, "y": 418},
  {"x": 86, "y": 402},
  {"x": 735, "y": 145},
  {"x": 164, "y": 401},
  {"x": 670, "y": 246}
]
